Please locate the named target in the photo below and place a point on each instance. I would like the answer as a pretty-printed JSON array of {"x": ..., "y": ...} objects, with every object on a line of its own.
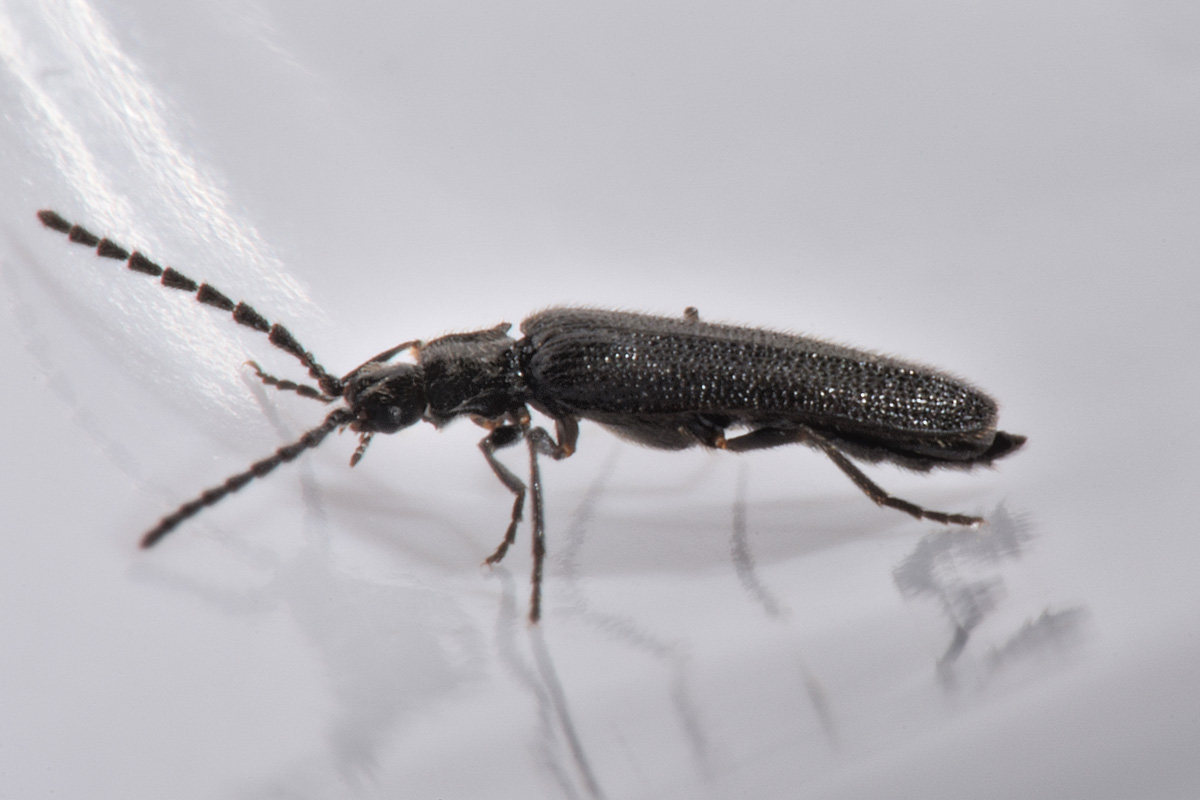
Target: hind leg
[{"x": 765, "y": 438}]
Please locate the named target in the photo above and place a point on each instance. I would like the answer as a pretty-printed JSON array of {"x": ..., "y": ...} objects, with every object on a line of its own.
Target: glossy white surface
[{"x": 1007, "y": 192}]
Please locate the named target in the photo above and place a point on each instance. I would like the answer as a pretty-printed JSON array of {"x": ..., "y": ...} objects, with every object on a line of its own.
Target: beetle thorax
[{"x": 472, "y": 373}]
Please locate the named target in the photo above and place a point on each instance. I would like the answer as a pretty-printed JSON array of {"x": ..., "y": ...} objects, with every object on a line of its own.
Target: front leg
[
  {"x": 505, "y": 436},
  {"x": 540, "y": 442}
]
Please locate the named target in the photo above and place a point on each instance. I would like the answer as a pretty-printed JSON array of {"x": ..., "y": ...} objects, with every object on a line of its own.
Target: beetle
[{"x": 665, "y": 382}]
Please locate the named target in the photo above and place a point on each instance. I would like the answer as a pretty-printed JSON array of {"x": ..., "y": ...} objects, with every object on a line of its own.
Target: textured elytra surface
[{"x": 608, "y": 362}]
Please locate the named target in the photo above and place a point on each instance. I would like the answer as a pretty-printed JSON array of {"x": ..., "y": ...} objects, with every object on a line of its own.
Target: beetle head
[{"x": 385, "y": 397}]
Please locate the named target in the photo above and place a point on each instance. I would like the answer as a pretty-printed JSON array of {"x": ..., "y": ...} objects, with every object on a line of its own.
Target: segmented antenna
[
  {"x": 243, "y": 314},
  {"x": 336, "y": 418},
  {"x": 283, "y": 385}
]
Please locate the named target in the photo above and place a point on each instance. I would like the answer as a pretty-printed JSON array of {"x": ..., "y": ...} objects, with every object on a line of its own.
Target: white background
[{"x": 1006, "y": 190}]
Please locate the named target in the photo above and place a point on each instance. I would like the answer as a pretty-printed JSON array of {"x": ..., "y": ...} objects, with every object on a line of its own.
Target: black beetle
[{"x": 665, "y": 382}]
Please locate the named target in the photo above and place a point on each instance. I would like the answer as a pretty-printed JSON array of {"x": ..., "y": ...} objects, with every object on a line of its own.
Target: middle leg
[{"x": 557, "y": 447}]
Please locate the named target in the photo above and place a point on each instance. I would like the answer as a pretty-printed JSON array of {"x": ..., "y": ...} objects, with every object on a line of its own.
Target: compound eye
[{"x": 392, "y": 418}]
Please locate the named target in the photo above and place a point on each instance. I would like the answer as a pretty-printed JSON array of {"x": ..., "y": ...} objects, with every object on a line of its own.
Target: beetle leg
[
  {"x": 540, "y": 442},
  {"x": 559, "y": 446},
  {"x": 501, "y": 437},
  {"x": 539, "y": 527},
  {"x": 802, "y": 434},
  {"x": 708, "y": 430}
]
